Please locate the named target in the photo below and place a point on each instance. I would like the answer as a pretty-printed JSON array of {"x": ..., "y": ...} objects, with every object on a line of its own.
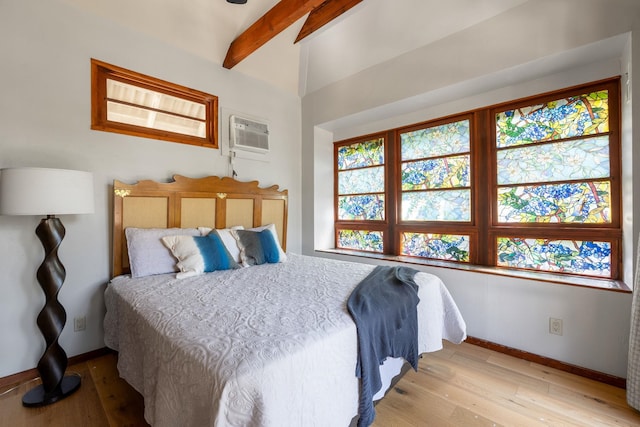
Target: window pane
[
  {"x": 364, "y": 207},
  {"x": 362, "y": 240},
  {"x": 582, "y": 203},
  {"x": 369, "y": 180},
  {"x": 444, "y": 172},
  {"x": 450, "y": 138},
  {"x": 154, "y": 120},
  {"x": 567, "y": 256},
  {"x": 136, "y": 95},
  {"x": 361, "y": 154},
  {"x": 571, "y": 160},
  {"x": 586, "y": 114},
  {"x": 447, "y": 205},
  {"x": 436, "y": 246}
]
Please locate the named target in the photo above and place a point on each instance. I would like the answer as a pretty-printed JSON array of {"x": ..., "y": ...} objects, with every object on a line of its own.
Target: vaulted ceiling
[{"x": 298, "y": 45}]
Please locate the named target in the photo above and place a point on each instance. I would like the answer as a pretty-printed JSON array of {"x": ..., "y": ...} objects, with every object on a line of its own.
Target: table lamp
[{"x": 50, "y": 192}]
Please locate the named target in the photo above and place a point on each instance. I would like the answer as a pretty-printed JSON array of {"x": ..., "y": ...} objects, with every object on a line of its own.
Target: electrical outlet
[
  {"x": 79, "y": 323},
  {"x": 555, "y": 326}
]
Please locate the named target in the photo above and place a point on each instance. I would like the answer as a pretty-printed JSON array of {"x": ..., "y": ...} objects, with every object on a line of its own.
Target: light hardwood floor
[{"x": 461, "y": 385}]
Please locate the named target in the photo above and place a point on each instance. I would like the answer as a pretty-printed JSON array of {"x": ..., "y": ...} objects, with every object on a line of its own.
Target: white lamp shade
[{"x": 42, "y": 191}]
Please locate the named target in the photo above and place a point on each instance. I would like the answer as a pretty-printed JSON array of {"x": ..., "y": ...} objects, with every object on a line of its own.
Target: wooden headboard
[{"x": 193, "y": 202}]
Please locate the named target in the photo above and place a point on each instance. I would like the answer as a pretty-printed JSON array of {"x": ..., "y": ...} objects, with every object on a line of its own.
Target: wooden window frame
[
  {"x": 470, "y": 227},
  {"x": 101, "y": 72},
  {"x": 484, "y": 227},
  {"x": 596, "y": 232},
  {"x": 383, "y": 226}
]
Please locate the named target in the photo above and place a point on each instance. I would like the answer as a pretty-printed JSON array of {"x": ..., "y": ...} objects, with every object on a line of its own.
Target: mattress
[{"x": 270, "y": 345}]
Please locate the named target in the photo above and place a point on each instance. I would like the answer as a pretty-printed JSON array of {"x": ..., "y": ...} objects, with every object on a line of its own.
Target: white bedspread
[{"x": 270, "y": 345}]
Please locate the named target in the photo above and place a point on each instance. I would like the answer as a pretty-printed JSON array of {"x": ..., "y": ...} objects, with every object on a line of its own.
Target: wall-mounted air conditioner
[{"x": 247, "y": 134}]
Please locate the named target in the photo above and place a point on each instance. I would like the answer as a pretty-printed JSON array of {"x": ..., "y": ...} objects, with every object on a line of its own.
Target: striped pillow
[
  {"x": 227, "y": 237},
  {"x": 199, "y": 254}
]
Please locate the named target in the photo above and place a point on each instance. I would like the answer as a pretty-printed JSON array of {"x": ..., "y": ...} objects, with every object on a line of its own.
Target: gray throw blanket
[{"x": 384, "y": 308}]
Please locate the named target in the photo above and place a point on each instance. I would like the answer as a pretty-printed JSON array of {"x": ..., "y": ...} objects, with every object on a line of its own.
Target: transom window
[
  {"x": 532, "y": 184},
  {"x": 127, "y": 102}
]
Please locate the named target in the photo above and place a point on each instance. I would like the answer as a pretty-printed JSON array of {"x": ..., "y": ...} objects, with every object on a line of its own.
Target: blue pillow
[{"x": 200, "y": 254}]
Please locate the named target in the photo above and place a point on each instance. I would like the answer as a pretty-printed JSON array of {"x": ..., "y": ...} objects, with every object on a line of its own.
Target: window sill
[{"x": 585, "y": 282}]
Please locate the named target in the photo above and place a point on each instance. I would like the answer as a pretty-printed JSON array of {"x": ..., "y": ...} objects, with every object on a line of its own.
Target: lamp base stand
[{"x": 38, "y": 397}]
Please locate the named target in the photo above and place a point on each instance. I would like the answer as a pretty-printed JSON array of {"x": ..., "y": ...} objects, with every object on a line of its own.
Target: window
[
  {"x": 127, "y": 102},
  {"x": 531, "y": 184},
  {"x": 435, "y": 190},
  {"x": 360, "y": 189}
]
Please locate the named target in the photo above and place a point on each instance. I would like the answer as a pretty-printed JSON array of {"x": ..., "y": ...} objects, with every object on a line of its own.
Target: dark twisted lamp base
[{"x": 51, "y": 274}]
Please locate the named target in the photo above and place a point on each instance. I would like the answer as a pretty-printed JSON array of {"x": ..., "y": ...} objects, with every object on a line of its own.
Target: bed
[{"x": 264, "y": 345}]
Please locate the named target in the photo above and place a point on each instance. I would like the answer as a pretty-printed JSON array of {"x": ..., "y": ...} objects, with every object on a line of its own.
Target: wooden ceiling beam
[
  {"x": 323, "y": 14},
  {"x": 277, "y": 19}
]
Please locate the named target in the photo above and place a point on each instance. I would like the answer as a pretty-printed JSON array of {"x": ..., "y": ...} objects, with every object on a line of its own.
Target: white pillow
[
  {"x": 147, "y": 254},
  {"x": 227, "y": 238}
]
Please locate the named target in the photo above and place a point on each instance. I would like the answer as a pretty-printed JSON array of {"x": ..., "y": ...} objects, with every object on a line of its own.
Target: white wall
[
  {"x": 537, "y": 47},
  {"x": 45, "y": 120},
  {"x": 46, "y": 48}
]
